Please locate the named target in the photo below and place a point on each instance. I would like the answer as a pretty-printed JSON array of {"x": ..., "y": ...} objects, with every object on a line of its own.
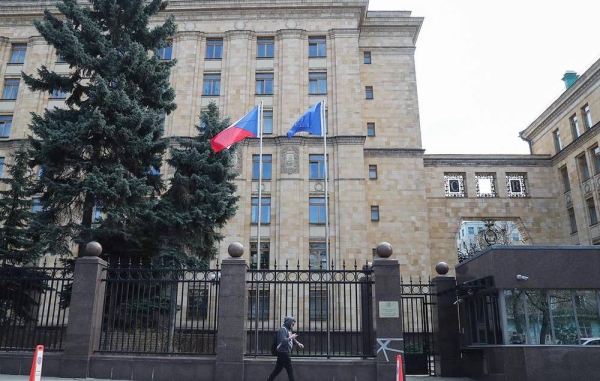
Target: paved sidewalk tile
[{"x": 8, "y": 377}]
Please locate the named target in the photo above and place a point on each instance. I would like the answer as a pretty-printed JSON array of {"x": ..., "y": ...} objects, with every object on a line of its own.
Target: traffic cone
[
  {"x": 399, "y": 370},
  {"x": 36, "y": 367}
]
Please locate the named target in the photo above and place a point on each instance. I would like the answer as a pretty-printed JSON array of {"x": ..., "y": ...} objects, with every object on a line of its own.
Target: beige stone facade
[{"x": 405, "y": 202}]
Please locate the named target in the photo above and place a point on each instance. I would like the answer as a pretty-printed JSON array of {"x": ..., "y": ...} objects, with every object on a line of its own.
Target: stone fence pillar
[
  {"x": 445, "y": 324},
  {"x": 388, "y": 319},
  {"x": 231, "y": 333},
  {"x": 85, "y": 315}
]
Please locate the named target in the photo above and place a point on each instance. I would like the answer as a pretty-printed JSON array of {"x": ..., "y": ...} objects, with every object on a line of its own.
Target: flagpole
[
  {"x": 258, "y": 251},
  {"x": 324, "y": 133}
]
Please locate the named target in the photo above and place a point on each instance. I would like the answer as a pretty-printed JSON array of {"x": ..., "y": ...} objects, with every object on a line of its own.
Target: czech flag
[{"x": 247, "y": 127}]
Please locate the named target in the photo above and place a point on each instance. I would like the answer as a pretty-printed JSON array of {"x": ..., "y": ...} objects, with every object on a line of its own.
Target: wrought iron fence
[
  {"x": 333, "y": 309},
  {"x": 33, "y": 305},
  {"x": 160, "y": 310},
  {"x": 417, "y": 323}
]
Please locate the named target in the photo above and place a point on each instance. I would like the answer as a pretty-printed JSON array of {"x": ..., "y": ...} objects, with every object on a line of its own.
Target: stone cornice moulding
[
  {"x": 238, "y": 34},
  {"x": 389, "y": 31},
  {"x": 188, "y": 35},
  {"x": 290, "y": 33},
  {"x": 393, "y": 152},
  {"x": 343, "y": 33},
  {"x": 260, "y": 14},
  {"x": 391, "y": 51},
  {"x": 585, "y": 82},
  {"x": 583, "y": 140},
  {"x": 300, "y": 140},
  {"x": 38, "y": 40},
  {"x": 488, "y": 161}
]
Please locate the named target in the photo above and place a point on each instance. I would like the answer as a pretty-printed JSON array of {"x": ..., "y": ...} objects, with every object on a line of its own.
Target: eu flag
[{"x": 309, "y": 122}]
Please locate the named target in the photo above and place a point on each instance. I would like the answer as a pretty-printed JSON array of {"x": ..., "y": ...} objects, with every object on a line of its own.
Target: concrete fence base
[{"x": 148, "y": 368}]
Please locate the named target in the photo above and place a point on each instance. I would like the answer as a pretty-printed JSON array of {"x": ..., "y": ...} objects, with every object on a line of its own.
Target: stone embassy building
[{"x": 290, "y": 54}]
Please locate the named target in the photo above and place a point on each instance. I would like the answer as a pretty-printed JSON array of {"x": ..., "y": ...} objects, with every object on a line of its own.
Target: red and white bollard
[{"x": 36, "y": 367}]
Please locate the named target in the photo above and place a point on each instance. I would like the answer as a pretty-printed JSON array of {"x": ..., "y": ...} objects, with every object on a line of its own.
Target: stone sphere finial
[
  {"x": 384, "y": 250},
  {"x": 442, "y": 268},
  {"x": 93, "y": 249},
  {"x": 235, "y": 250}
]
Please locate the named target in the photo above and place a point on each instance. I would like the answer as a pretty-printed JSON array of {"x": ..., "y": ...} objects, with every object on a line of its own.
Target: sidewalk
[{"x": 7, "y": 377}]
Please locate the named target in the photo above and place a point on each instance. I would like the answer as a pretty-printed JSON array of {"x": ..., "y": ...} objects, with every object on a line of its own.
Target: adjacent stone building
[{"x": 290, "y": 54}]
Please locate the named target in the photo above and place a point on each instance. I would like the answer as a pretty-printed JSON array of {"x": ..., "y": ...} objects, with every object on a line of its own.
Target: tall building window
[
  {"x": 317, "y": 47},
  {"x": 5, "y": 125},
  {"x": 587, "y": 116},
  {"x": 369, "y": 92},
  {"x": 1, "y": 166},
  {"x": 266, "y": 167},
  {"x": 264, "y": 83},
  {"x": 317, "y": 83},
  {"x": 317, "y": 303},
  {"x": 595, "y": 153},
  {"x": 267, "y": 122},
  {"x": 11, "y": 88},
  {"x": 557, "y": 141},
  {"x": 454, "y": 185},
  {"x": 265, "y": 211},
  {"x": 263, "y": 304},
  {"x": 574, "y": 126},
  {"x": 197, "y": 307},
  {"x": 370, "y": 129},
  {"x": 515, "y": 185},
  {"x": 316, "y": 167},
  {"x": 592, "y": 211},
  {"x": 265, "y": 249},
  {"x": 212, "y": 84},
  {"x": 317, "y": 258},
  {"x": 266, "y": 47},
  {"x": 214, "y": 48},
  {"x": 17, "y": 54},
  {"x": 572, "y": 220},
  {"x": 367, "y": 57},
  {"x": 374, "y": 212},
  {"x": 316, "y": 210},
  {"x": 60, "y": 58},
  {"x": 584, "y": 171},
  {"x": 165, "y": 53},
  {"x": 58, "y": 94},
  {"x": 372, "y": 172},
  {"x": 564, "y": 174}
]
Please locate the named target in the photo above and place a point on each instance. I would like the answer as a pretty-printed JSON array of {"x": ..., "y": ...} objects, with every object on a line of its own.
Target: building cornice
[
  {"x": 581, "y": 142},
  {"x": 487, "y": 161},
  {"x": 566, "y": 101},
  {"x": 300, "y": 140},
  {"x": 393, "y": 152}
]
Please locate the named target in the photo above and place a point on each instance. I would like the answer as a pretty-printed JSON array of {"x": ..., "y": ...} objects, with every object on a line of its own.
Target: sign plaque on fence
[{"x": 389, "y": 309}]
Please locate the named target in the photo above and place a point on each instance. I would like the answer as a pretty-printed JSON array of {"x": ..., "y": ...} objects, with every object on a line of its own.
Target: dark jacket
[{"x": 285, "y": 342}]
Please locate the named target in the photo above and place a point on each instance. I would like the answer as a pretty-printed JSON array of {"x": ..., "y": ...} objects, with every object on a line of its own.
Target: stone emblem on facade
[{"x": 289, "y": 160}]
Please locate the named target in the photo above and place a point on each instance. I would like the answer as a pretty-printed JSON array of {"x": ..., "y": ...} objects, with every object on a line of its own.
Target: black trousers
[{"x": 283, "y": 361}]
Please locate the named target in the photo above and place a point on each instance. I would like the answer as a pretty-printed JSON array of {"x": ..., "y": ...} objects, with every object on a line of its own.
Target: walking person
[{"x": 285, "y": 342}]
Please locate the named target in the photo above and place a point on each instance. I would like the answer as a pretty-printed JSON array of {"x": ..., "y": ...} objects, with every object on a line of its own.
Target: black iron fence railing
[
  {"x": 417, "y": 322},
  {"x": 333, "y": 309},
  {"x": 160, "y": 310},
  {"x": 33, "y": 304}
]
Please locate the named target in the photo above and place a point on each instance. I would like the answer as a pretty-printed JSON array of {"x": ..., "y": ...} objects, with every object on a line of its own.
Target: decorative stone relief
[
  {"x": 239, "y": 25},
  {"x": 236, "y": 163},
  {"x": 289, "y": 160},
  {"x": 291, "y": 24}
]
